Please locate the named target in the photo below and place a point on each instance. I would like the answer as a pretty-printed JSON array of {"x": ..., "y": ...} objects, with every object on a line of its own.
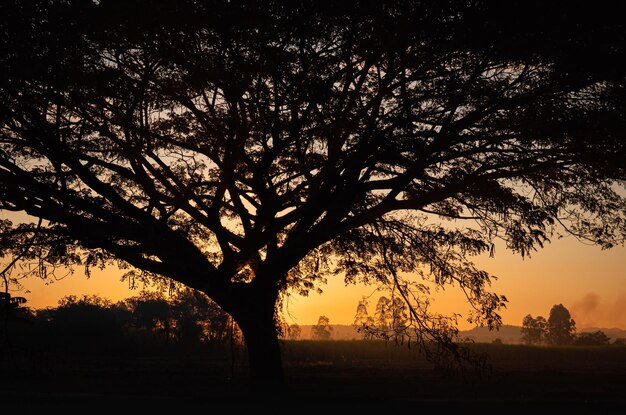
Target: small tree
[
  {"x": 533, "y": 329},
  {"x": 399, "y": 319},
  {"x": 293, "y": 332},
  {"x": 561, "y": 329},
  {"x": 322, "y": 330},
  {"x": 363, "y": 322},
  {"x": 383, "y": 316}
]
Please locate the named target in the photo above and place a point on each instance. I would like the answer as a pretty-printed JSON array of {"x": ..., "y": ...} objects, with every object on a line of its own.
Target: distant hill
[{"x": 508, "y": 334}]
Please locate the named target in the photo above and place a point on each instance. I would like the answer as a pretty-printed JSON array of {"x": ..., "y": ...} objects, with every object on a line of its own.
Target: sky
[{"x": 588, "y": 281}]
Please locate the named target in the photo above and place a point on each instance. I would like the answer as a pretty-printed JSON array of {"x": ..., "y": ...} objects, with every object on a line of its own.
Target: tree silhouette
[
  {"x": 294, "y": 331},
  {"x": 322, "y": 330},
  {"x": 199, "y": 318},
  {"x": 534, "y": 330},
  {"x": 10, "y": 306},
  {"x": 383, "y": 316},
  {"x": 363, "y": 322},
  {"x": 596, "y": 338},
  {"x": 11, "y": 309},
  {"x": 561, "y": 329},
  {"x": 400, "y": 319},
  {"x": 89, "y": 320},
  {"x": 245, "y": 149},
  {"x": 152, "y": 312},
  {"x": 191, "y": 312},
  {"x": 390, "y": 320}
]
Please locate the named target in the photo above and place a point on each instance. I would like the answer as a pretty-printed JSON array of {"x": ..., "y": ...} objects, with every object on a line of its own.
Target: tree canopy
[
  {"x": 561, "y": 328},
  {"x": 533, "y": 330},
  {"x": 246, "y": 148}
]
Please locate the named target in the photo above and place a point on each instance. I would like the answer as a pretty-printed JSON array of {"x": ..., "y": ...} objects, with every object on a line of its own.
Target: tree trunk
[{"x": 256, "y": 321}]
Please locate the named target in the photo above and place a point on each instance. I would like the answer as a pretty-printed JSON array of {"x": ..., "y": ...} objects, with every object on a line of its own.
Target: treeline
[
  {"x": 560, "y": 330},
  {"x": 186, "y": 318}
]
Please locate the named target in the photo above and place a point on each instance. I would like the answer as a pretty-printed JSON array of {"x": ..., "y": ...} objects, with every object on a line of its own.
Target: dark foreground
[{"x": 321, "y": 376}]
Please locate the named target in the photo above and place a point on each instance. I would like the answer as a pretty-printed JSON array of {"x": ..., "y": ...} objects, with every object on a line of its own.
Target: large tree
[
  {"x": 244, "y": 148},
  {"x": 561, "y": 328}
]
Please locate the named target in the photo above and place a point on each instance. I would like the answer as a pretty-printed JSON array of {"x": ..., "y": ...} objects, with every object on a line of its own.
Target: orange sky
[{"x": 590, "y": 282}]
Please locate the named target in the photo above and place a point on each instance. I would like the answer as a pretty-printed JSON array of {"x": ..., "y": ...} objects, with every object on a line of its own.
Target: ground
[{"x": 321, "y": 376}]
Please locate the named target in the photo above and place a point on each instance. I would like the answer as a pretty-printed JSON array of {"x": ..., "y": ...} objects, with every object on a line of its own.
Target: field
[{"x": 320, "y": 375}]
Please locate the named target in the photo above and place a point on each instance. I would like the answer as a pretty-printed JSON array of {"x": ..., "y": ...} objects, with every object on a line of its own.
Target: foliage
[
  {"x": 293, "y": 332},
  {"x": 322, "y": 330},
  {"x": 534, "y": 330},
  {"x": 390, "y": 321},
  {"x": 187, "y": 317},
  {"x": 11, "y": 307},
  {"x": 561, "y": 328},
  {"x": 363, "y": 322},
  {"x": 88, "y": 319},
  {"x": 596, "y": 338},
  {"x": 152, "y": 312},
  {"x": 11, "y": 310}
]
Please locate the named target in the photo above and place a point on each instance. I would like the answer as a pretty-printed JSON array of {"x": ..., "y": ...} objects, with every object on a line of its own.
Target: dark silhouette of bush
[
  {"x": 149, "y": 323},
  {"x": 86, "y": 321},
  {"x": 596, "y": 338}
]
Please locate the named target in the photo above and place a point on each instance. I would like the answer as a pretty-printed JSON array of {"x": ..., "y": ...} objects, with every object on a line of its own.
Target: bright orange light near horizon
[{"x": 589, "y": 281}]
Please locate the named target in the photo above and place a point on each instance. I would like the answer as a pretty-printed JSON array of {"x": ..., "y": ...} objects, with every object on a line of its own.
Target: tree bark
[{"x": 255, "y": 318}]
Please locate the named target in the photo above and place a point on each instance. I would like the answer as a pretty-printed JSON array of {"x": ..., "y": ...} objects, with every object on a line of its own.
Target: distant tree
[
  {"x": 596, "y": 338},
  {"x": 152, "y": 312},
  {"x": 399, "y": 319},
  {"x": 533, "y": 330},
  {"x": 197, "y": 318},
  {"x": 383, "y": 316},
  {"x": 363, "y": 322},
  {"x": 561, "y": 328},
  {"x": 247, "y": 148},
  {"x": 322, "y": 330},
  {"x": 189, "y": 324},
  {"x": 87, "y": 319},
  {"x": 293, "y": 332},
  {"x": 391, "y": 319}
]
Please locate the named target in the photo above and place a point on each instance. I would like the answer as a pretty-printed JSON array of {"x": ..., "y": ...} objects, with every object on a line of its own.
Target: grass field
[{"x": 320, "y": 375}]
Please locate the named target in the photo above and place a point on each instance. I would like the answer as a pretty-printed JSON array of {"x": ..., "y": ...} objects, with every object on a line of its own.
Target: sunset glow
[{"x": 591, "y": 282}]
